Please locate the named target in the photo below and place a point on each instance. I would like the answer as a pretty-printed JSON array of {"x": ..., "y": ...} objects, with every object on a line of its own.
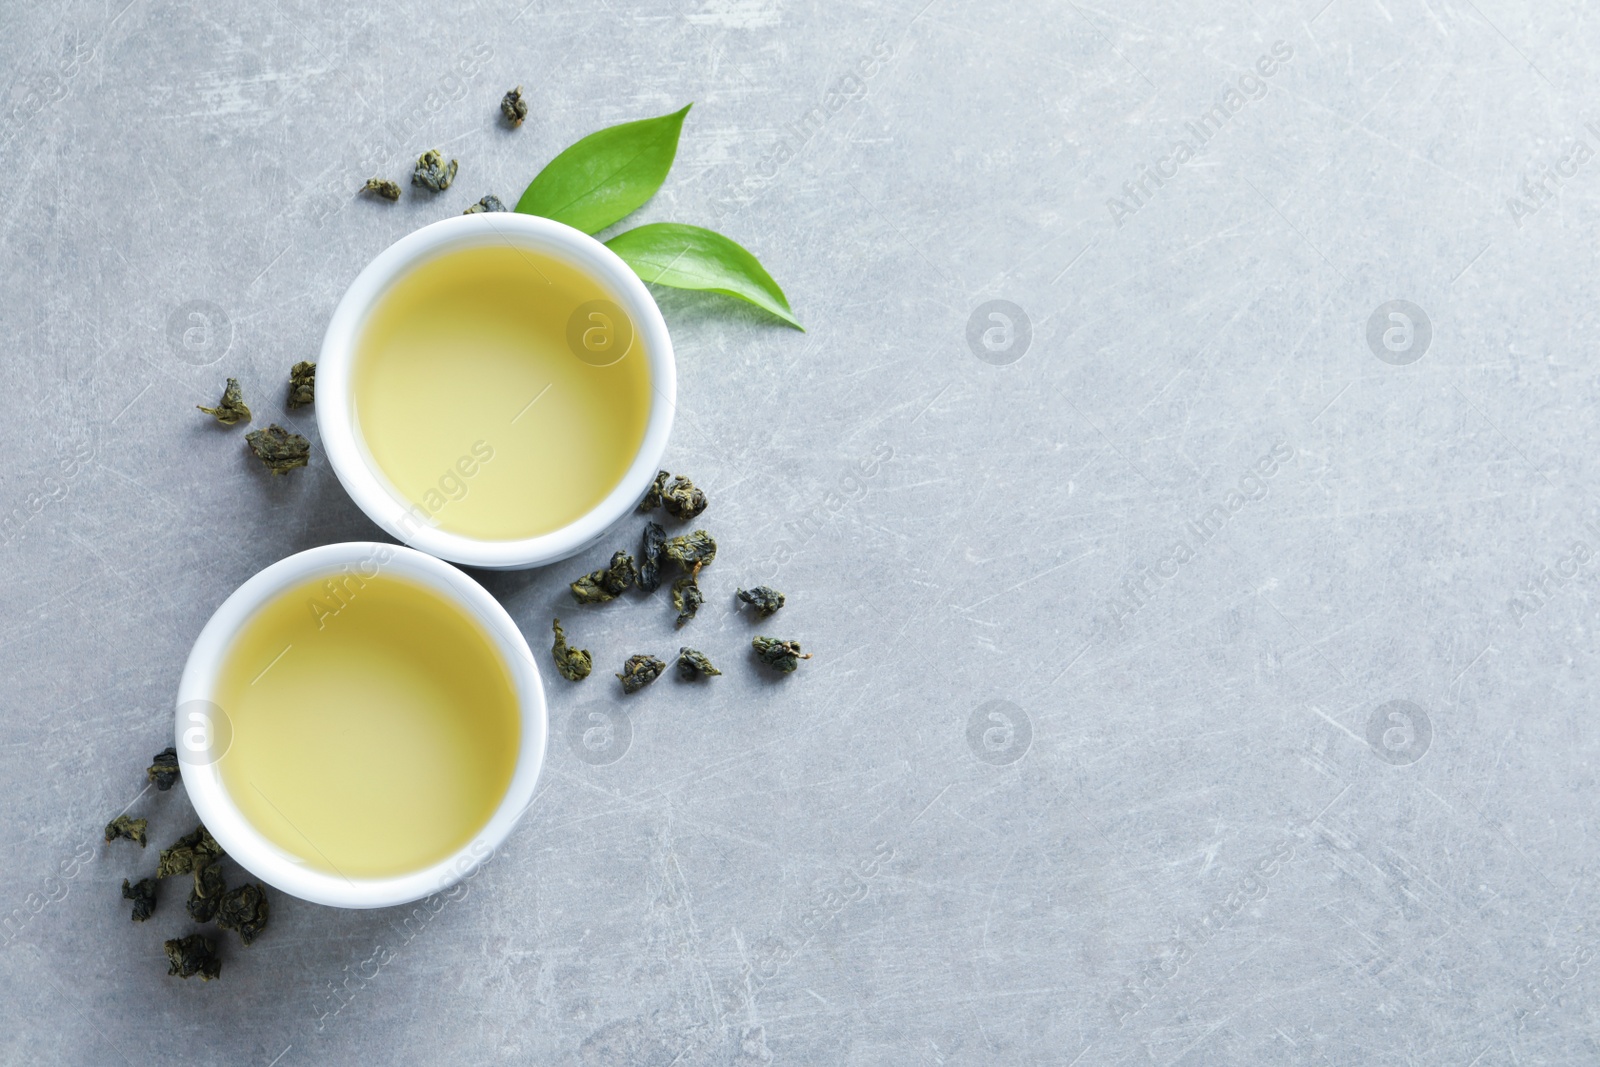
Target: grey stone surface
[{"x": 1054, "y": 790}]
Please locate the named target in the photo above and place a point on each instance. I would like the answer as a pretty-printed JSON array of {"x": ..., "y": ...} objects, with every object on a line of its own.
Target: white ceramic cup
[
  {"x": 204, "y": 732},
  {"x": 353, "y": 464}
]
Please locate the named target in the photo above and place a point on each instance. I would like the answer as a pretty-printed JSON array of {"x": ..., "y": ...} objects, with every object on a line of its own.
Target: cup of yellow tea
[
  {"x": 360, "y": 725},
  {"x": 496, "y": 389}
]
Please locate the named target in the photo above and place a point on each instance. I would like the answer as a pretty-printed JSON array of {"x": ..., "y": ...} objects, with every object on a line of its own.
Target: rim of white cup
[
  {"x": 202, "y": 729},
  {"x": 353, "y": 464}
]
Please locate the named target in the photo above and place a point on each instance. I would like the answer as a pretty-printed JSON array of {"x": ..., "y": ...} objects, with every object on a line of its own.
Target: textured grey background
[{"x": 1206, "y": 853}]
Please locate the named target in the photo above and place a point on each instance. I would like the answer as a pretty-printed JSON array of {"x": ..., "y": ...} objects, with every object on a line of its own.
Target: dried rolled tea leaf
[
  {"x": 382, "y": 187},
  {"x": 597, "y": 587},
  {"x": 691, "y": 550},
  {"x": 682, "y": 499},
  {"x": 244, "y": 910},
  {"x": 574, "y": 664},
  {"x": 693, "y": 664},
  {"x": 207, "y": 892},
  {"x": 231, "y": 408},
  {"x": 279, "y": 449},
  {"x": 192, "y": 955},
  {"x": 652, "y": 496},
  {"x": 655, "y": 539},
  {"x": 197, "y": 848},
  {"x": 782, "y": 656},
  {"x": 431, "y": 172},
  {"x": 302, "y": 384},
  {"x": 620, "y": 575},
  {"x": 588, "y": 590},
  {"x": 686, "y": 596},
  {"x": 513, "y": 107},
  {"x": 487, "y": 203},
  {"x": 763, "y": 598},
  {"x": 143, "y": 896},
  {"x": 122, "y": 826},
  {"x": 163, "y": 769},
  {"x": 639, "y": 672}
]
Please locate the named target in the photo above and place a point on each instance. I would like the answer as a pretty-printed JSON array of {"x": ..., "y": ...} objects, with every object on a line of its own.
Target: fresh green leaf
[
  {"x": 607, "y": 176},
  {"x": 691, "y": 257}
]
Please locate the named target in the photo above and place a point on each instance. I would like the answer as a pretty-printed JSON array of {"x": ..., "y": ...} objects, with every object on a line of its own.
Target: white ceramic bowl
[
  {"x": 204, "y": 733},
  {"x": 353, "y": 463}
]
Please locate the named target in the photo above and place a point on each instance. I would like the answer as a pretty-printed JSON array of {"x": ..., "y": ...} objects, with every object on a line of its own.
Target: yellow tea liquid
[
  {"x": 375, "y": 725},
  {"x": 473, "y": 403}
]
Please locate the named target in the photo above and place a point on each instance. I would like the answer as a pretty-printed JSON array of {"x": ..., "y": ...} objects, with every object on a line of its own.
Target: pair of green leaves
[{"x": 609, "y": 175}]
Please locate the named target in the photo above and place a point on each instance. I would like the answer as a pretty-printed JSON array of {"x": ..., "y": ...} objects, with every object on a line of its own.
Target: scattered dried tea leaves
[
  {"x": 231, "y": 408},
  {"x": 513, "y": 107},
  {"x": 207, "y": 892},
  {"x": 279, "y": 449},
  {"x": 143, "y": 896},
  {"x": 693, "y": 664},
  {"x": 763, "y": 598},
  {"x": 382, "y": 187},
  {"x": 691, "y": 550},
  {"x": 192, "y": 955},
  {"x": 163, "y": 769},
  {"x": 123, "y": 826},
  {"x": 686, "y": 596},
  {"x": 655, "y": 539},
  {"x": 574, "y": 664},
  {"x": 244, "y": 910},
  {"x": 487, "y": 203},
  {"x": 431, "y": 171},
  {"x": 782, "y": 656},
  {"x": 682, "y": 500},
  {"x": 302, "y": 384},
  {"x": 597, "y": 587},
  {"x": 639, "y": 672},
  {"x": 195, "y": 848},
  {"x": 652, "y": 496}
]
